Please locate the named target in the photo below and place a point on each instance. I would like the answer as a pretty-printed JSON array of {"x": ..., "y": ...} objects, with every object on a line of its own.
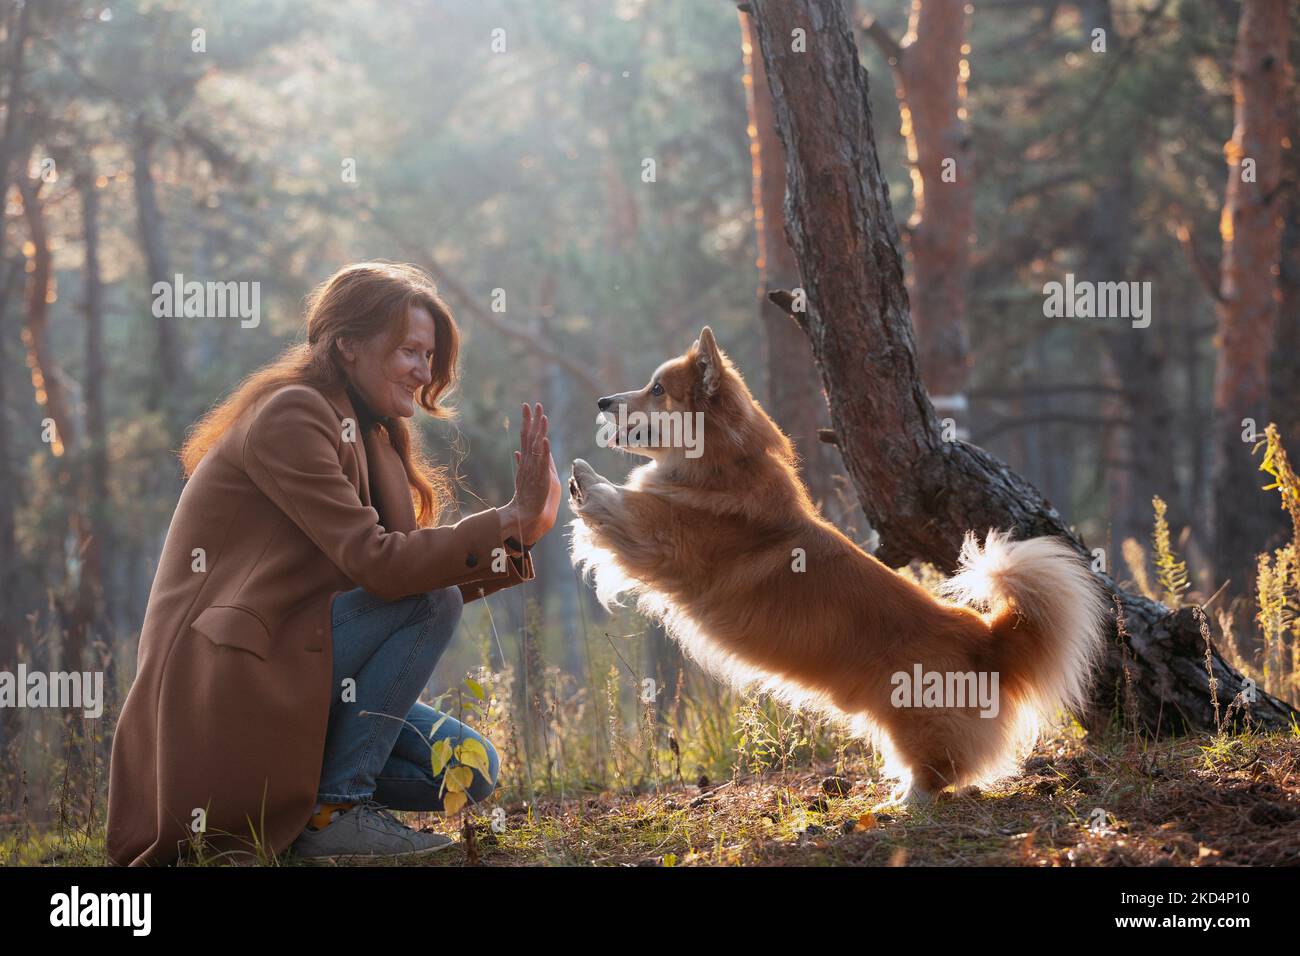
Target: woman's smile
[{"x": 407, "y": 397}]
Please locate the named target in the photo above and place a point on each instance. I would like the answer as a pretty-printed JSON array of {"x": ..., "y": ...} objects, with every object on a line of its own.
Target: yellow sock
[{"x": 321, "y": 818}]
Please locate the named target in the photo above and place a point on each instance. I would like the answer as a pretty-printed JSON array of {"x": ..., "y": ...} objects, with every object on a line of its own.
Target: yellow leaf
[
  {"x": 453, "y": 802},
  {"x": 458, "y": 779},
  {"x": 472, "y": 753},
  {"x": 441, "y": 754},
  {"x": 475, "y": 687}
]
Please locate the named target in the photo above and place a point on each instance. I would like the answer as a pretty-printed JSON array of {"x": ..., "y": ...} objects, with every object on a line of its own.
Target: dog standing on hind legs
[{"x": 727, "y": 549}]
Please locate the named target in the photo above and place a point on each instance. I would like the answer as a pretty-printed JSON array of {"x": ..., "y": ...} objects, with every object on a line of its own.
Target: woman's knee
[
  {"x": 445, "y": 604},
  {"x": 439, "y": 609}
]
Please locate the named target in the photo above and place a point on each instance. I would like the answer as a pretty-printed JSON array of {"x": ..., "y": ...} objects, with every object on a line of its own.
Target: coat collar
[
  {"x": 342, "y": 402},
  {"x": 383, "y": 479}
]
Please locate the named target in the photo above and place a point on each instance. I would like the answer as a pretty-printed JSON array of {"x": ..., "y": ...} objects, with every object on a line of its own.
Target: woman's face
[{"x": 389, "y": 381}]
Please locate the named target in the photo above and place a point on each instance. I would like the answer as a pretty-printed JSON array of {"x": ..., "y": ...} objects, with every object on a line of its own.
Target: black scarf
[{"x": 366, "y": 416}]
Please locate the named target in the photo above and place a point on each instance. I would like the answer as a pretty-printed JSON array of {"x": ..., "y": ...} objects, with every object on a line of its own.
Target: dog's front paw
[{"x": 582, "y": 478}]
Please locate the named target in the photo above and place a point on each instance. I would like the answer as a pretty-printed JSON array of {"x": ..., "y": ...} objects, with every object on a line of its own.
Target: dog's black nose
[{"x": 604, "y": 403}]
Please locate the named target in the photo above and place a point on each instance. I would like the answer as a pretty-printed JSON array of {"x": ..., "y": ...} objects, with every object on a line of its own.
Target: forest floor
[
  {"x": 1193, "y": 801},
  {"x": 1228, "y": 800}
]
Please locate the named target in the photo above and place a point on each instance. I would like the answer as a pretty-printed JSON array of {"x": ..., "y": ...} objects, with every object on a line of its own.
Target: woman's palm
[{"x": 537, "y": 484}]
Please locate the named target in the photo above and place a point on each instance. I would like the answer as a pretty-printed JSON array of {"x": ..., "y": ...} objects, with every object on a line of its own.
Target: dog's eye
[{"x": 657, "y": 389}]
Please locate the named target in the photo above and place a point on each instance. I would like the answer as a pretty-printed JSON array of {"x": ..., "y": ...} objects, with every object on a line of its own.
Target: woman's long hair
[{"x": 357, "y": 302}]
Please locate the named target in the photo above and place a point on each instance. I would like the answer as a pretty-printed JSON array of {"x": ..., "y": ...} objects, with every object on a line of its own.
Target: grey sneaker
[{"x": 366, "y": 833}]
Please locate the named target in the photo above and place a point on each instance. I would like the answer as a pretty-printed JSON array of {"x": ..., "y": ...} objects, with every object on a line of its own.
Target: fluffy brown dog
[{"x": 720, "y": 540}]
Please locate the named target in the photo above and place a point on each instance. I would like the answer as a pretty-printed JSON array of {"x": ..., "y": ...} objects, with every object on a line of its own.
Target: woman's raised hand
[{"x": 537, "y": 485}]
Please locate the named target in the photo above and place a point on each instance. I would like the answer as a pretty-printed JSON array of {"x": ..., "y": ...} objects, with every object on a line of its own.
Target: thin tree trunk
[
  {"x": 920, "y": 492},
  {"x": 97, "y": 553},
  {"x": 10, "y": 272},
  {"x": 18, "y": 33},
  {"x": 1135, "y": 356},
  {"x": 1284, "y": 373},
  {"x": 9, "y": 489},
  {"x": 51, "y": 393},
  {"x": 930, "y": 68},
  {"x": 1245, "y": 521},
  {"x": 1138, "y": 363},
  {"x": 167, "y": 384}
]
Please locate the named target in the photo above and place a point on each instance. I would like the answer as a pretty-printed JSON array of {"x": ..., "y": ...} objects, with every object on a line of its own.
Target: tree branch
[{"x": 889, "y": 48}]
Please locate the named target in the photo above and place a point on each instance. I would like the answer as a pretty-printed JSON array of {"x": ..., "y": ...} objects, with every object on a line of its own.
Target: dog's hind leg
[
  {"x": 910, "y": 794},
  {"x": 917, "y": 796}
]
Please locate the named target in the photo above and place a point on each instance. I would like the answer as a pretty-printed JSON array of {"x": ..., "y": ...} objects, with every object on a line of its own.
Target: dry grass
[{"x": 1192, "y": 802}]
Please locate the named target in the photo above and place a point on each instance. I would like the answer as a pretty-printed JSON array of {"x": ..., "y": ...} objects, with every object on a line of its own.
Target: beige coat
[{"x": 227, "y": 715}]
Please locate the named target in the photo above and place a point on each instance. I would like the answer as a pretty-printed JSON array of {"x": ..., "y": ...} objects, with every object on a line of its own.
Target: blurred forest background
[{"x": 218, "y": 140}]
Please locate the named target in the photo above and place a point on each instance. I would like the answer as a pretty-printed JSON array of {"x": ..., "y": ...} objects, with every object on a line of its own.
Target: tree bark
[
  {"x": 1284, "y": 373},
  {"x": 794, "y": 392},
  {"x": 1245, "y": 521},
  {"x": 921, "y": 493}
]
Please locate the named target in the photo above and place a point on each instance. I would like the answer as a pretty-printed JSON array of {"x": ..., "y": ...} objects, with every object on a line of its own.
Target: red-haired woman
[{"x": 302, "y": 599}]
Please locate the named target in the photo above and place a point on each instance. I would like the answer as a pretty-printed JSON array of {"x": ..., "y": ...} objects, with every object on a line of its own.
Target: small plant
[
  {"x": 767, "y": 741},
  {"x": 469, "y": 754},
  {"x": 1278, "y": 580},
  {"x": 1171, "y": 574},
  {"x": 616, "y": 741},
  {"x": 1285, "y": 482},
  {"x": 1136, "y": 561},
  {"x": 1276, "y": 616}
]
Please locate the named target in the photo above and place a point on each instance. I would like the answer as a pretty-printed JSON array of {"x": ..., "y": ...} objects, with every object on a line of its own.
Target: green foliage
[
  {"x": 1277, "y": 466},
  {"x": 1278, "y": 581}
]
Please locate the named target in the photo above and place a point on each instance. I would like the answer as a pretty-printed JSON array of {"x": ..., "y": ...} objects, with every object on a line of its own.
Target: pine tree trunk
[
  {"x": 794, "y": 393},
  {"x": 1246, "y": 521}
]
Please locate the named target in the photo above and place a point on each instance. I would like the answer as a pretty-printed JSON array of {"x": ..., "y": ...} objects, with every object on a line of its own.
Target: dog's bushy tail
[{"x": 1047, "y": 612}]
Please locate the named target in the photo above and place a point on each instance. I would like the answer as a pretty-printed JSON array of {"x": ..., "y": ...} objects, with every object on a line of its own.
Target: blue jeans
[{"x": 389, "y": 649}]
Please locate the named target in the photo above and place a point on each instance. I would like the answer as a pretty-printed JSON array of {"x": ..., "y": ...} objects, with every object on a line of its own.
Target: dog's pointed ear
[{"x": 708, "y": 360}]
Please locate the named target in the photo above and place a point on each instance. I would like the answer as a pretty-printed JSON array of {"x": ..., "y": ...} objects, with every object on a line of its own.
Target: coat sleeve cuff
[
  {"x": 517, "y": 568},
  {"x": 488, "y": 557}
]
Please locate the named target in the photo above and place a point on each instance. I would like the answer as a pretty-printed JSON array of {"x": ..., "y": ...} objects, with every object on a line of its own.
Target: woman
[{"x": 301, "y": 601}]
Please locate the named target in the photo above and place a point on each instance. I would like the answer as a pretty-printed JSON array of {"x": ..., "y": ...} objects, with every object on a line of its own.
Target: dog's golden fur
[{"x": 710, "y": 545}]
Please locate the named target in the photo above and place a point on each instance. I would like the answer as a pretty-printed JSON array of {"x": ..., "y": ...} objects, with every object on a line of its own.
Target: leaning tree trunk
[
  {"x": 50, "y": 389},
  {"x": 794, "y": 393},
  {"x": 920, "y": 492}
]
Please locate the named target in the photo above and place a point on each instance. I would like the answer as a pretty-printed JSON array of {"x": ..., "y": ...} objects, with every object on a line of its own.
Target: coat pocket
[{"x": 228, "y": 625}]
